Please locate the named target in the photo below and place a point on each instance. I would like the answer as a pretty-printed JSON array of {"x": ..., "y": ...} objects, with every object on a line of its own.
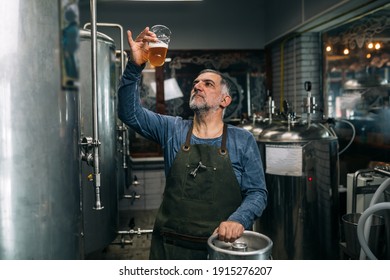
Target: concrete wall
[
  {"x": 210, "y": 24},
  {"x": 226, "y": 24}
]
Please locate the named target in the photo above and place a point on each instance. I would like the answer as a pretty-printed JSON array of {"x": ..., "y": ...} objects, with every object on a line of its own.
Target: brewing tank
[
  {"x": 40, "y": 214},
  {"x": 301, "y": 170},
  {"x": 99, "y": 226}
]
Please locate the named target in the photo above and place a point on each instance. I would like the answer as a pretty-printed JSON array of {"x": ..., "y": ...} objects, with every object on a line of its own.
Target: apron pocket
[{"x": 200, "y": 186}]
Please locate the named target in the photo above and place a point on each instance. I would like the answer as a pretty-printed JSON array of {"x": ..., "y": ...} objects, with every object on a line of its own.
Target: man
[{"x": 215, "y": 181}]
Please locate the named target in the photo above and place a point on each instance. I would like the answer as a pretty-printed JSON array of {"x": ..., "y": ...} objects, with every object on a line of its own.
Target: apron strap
[
  {"x": 186, "y": 146},
  {"x": 222, "y": 150}
]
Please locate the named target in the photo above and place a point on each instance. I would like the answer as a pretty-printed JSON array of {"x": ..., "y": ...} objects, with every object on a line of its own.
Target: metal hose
[{"x": 366, "y": 226}]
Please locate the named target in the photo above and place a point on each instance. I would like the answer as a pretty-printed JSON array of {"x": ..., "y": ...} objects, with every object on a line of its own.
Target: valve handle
[{"x": 308, "y": 86}]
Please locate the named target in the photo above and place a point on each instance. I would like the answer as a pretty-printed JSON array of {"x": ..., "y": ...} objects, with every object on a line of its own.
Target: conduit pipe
[{"x": 95, "y": 141}]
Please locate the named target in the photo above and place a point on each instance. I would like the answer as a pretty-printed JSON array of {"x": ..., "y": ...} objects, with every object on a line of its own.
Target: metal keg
[{"x": 250, "y": 246}]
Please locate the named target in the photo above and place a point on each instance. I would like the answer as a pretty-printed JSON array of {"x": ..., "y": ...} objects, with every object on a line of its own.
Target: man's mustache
[{"x": 196, "y": 92}]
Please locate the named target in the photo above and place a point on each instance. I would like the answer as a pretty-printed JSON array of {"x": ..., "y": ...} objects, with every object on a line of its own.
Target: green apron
[{"x": 201, "y": 191}]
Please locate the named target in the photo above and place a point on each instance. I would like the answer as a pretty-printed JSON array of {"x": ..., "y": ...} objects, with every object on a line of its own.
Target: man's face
[{"x": 206, "y": 93}]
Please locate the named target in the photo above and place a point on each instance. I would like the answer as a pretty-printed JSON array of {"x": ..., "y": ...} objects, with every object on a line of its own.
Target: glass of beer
[{"x": 158, "y": 50}]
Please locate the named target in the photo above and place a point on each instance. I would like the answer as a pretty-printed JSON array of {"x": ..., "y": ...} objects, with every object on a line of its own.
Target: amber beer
[{"x": 157, "y": 53}]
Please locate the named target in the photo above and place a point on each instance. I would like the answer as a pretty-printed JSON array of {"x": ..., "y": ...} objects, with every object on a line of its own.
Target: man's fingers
[{"x": 229, "y": 231}]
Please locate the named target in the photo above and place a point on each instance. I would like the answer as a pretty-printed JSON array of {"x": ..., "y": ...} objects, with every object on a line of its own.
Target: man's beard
[
  {"x": 198, "y": 106},
  {"x": 201, "y": 105}
]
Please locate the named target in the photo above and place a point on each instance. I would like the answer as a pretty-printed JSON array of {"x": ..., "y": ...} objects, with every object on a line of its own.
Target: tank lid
[
  {"x": 86, "y": 34},
  {"x": 298, "y": 132}
]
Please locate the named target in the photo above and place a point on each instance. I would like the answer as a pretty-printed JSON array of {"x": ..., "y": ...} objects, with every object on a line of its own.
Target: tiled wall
[
  {"x": 150, "y": 187},
  {"x": 296, "y": 60},
  {"x": 138, "y": 213}
]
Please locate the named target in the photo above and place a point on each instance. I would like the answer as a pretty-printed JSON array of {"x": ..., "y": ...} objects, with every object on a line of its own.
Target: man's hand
[
  {"x": 229, "y": 231},
  {"x": 140, "y": 47}
]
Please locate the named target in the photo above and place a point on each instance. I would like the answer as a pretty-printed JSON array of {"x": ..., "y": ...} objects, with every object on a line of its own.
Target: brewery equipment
[
  {"x": 258, "y": 122},
  {"x": 360, "y": 189},
  {"x": 100, "y": 220},
  {"x": 301, "y": 170},
  {"x": 365, "y": 188},
  {"x": 40, "y": 214},
  {"x": 122, "y": 130},
  {"x": 364, "y": 226}
]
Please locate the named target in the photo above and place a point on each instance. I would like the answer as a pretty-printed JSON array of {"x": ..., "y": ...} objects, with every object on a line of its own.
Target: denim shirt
[{"x": 170, "y": 132}]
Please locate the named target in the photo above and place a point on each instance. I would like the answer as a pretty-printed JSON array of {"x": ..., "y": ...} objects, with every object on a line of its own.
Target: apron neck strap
[
  {"x": 186, "y": 146},
  {"x": 224, "y": 136}
]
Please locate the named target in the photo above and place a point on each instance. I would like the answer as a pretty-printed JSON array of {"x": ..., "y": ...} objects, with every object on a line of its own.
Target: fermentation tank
[
  {"x": 99, "y": 226},
  {"x": 301, "y": 169},
  {"x": 40, "y": 214}
]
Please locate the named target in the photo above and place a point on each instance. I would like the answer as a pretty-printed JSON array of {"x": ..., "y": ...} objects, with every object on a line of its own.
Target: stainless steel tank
[
  {"x": 99, "y": 226},
  {"x": 301, "y": 168},
  {"x": 40, "y": 214},
  {"x": 255, "y": 126}
]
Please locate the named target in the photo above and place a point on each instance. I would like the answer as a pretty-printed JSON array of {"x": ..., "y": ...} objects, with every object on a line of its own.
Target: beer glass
[{"x": 158, "y": 50}]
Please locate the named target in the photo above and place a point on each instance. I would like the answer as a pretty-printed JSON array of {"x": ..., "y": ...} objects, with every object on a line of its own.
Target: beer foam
[{"x": 158, "y": 45}]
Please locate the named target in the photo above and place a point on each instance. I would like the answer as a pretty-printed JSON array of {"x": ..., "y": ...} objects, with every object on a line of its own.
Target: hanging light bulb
[
  {"x": 346, "y": 51},
  {"x": 377, "y": 46},
  {"x": 328, "y": 48},
  {"x": 370, "y": 45}
]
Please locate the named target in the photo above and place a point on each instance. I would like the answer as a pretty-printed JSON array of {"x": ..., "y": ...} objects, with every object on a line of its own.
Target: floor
[{"x": 126, "y": 247}]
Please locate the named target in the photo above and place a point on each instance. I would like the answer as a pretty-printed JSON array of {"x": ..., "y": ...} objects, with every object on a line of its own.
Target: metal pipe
[
  {"x": 248, "y": 94},
  {"x": 130, "y": 232},
  {"x": 271, "y": 108},
  {"x": 309, "y": 103},
  {"x": 121, "y": 38},
  {"x": 138, "y": 231},
  {"x": 96, "y": 142},
  {"x": 122, "y": 126},
  {"x": 133, "y": 196}
]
